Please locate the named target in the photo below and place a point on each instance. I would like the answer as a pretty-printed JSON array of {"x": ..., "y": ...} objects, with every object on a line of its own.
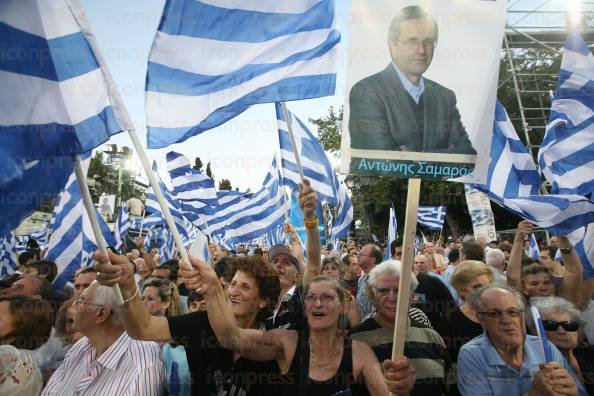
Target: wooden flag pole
[
  {"x": 293, "y": 142},
  {"x": 141, "y": 223},
  {"x": 157, "y": 190},
  {"x": 408, "y": 256},
  {"x": 81, "y": 178}
]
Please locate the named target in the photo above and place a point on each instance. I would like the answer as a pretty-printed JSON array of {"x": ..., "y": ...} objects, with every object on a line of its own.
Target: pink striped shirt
[{"x": 128, "y": 367}]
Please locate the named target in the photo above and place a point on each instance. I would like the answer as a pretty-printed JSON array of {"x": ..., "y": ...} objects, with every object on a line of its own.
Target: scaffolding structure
[{"x": 535, "y": 35}]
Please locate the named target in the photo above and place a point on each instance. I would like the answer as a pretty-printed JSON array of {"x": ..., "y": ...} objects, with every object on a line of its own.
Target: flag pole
[
  {"x": 81, "y": 178},
  {"x": 141, "y": 223},
  {"x": 293, "y": 142},
  {"x": 408, "y": 256},
  {"x": 157, "y": 190}
]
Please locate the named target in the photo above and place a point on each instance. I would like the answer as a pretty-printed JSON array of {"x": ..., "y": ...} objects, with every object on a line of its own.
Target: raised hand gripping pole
[{"x": 92, "y": 214}]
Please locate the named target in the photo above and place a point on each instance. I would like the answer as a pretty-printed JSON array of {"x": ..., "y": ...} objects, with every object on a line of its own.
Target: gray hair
[
  {"x": 105, "y": 297},
  {"x": 553, "y": 304},
  {"x": 475, "y": 298},
  {"x": 392, "y": 267},
  {"x": 406, "y": 14},
  {"x": 494, "y": 256}
]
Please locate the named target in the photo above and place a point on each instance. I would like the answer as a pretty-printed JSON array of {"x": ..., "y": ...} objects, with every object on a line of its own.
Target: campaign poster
[
  {"x": 421, "y": 87},
  {"x": 479, "y": 208}
]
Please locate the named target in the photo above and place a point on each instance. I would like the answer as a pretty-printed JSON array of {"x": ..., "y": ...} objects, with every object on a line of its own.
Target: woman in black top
[
  {"x": 461, "y": 324},
  {"x": 320, "y": 361}
]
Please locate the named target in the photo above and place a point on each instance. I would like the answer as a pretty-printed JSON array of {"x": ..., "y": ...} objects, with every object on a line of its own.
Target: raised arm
[
  {"x": 307, "y": 202},
  {"x": 514, "y": 266},
  {"x": 252, "y": 343},
  {"x": 139, "y": 324},
  {"x": 571, "y": 286}
]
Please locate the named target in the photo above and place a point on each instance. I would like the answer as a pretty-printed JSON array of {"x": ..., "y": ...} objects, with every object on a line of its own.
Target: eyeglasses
[
  {"x": 384, "y": 291},
  {"x": 325, "y": 299},
  {"x": 568, "y": 325},
  {"x": 80, "y": 300},
  {"x": 415, "y": 43},
  {"x": 497, "y": 314},
  {"x": 83, "y": 286}
]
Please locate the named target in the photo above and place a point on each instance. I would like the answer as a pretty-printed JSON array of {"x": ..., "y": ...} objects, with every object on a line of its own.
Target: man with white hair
[
  {"x": 495, "y": 258},
  {"x": 106, "y": 361}
]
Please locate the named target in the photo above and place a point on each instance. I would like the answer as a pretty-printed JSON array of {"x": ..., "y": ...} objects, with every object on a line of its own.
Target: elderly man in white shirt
[{"x": 106, "y": 361}]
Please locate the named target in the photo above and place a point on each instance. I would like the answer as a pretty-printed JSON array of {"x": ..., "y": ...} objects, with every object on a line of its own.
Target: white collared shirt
[
  {"x": 127, "y": 367},
  {"x": 415, "y": 91}
]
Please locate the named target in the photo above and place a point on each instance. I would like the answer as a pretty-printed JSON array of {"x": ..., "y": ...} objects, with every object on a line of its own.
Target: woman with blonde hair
[
  {"x": 160, "y": 297},
  {"x": 461, "y": 324}
]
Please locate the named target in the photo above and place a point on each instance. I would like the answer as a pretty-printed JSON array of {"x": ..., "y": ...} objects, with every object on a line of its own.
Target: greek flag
[
  {"x": 512, "y": 183},
  {"x": 533, "y": 250},
  {"x": 316, "y": 166},
  {"x": 57, "y": 99},
  {"x": 432, "y": 217},
  {"x": 251, "y": 218},
  {"x": 168, "y": 250},
  {"x": 189, "y": 183},
  {"x": 121, "y": 228},
  {"x": 213, "y": 59},
  {"x": 72, "y": 242},
  {"x": 40, "y": 235},
  {"x": 392, "y": 231},
  {"x": 344, "y": 217},
  {"x": 566, "y": 156},
  {"x": 8, "y": 259}
]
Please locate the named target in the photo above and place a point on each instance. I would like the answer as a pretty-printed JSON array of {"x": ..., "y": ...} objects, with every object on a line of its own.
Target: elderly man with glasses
[
  {"x": 106, "y": 361},
  {"x": 506, "y": 361}
]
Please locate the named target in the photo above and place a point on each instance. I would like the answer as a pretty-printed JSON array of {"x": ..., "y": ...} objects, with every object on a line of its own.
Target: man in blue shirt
[{"x": 504, "y": 360}]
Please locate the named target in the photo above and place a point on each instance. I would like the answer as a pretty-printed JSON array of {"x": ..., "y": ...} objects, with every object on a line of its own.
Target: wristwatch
[{"x": 566, "y": 250}]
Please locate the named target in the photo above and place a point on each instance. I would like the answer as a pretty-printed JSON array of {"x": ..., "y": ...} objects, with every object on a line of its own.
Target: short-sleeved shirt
[
  {"x": 212, "y": 368},
  {"x": 290, "y": 313},
  {"x": 422, "y": 346},
  {"x": 481, "y": 371}
]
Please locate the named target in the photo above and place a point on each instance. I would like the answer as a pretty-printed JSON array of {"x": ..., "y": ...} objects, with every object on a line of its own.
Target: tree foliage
[
  {"x": 197, "y": 163},
  {"x": 329, "y": 129},
  {"x": 209, "y": 171},
  {"x": 225, "y": 184},
  {"x": 106, "y": 176}
]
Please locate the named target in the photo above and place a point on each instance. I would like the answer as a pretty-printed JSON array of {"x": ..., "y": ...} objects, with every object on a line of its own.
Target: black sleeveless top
[{"x": 299, "y": 383}]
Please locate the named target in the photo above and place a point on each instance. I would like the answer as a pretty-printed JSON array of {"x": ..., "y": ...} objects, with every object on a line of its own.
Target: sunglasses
[{"x": 568, "y": 325}]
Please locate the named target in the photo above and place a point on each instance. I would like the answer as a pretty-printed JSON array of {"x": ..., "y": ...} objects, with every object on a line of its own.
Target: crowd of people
[{"x": 296, "y": 319}]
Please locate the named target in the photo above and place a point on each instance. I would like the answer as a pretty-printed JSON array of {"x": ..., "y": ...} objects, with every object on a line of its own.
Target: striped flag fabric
[
  {"x": 58, "y": 101},
  {"x": 213, "y": 59},
  {"x": 432, "y": 217},
  {"x": 344, "y": 218},
  {"x": 314, "y": 161},
  {"x": 189, "y": 183},
  {"x": 72, "y": 242},
  {"x": 122, "y": 225},
  {"x": 392, "y": 231},
  {"x": 512, "y": 184},
  {"x": 566, "y": 156},
  {"x": 40, "y": 235},
  {"x": 533, "y": 250},
  {"x": 8, "y": 259}
]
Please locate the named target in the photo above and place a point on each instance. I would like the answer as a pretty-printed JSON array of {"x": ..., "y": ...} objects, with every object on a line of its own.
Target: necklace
[{"x": 313, "y": 359}]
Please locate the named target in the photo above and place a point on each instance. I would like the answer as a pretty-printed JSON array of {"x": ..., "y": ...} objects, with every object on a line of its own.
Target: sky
[{"x": 242, "y": 149}]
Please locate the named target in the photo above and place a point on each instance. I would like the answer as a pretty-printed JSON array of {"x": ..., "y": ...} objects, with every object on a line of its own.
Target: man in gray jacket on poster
[{"x": 398, "y": 109}]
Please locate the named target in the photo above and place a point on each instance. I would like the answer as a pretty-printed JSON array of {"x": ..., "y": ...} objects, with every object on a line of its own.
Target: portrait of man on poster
[{"x": 398, "y": 109}]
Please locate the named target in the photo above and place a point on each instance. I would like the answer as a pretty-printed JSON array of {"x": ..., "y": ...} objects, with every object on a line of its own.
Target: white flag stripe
[
  {"x": 579, "y": 64},
  {"x": 575, "y": 111},
  {"x": 53, "y": 20},
  {"x": 567, "y": 146},
  {"x": 191, "y": 110},
  {"x": 195, "y": 55},
  {"x": 83, "y": 97},
  {"x": 286, "y": 7},
  {"x": 575, "y": 177},
  {"x": 277, "y": 215}
]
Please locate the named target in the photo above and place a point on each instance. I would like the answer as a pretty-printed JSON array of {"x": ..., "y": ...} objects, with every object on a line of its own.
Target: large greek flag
[
  {"x": 212, "y": 59},
  {"x": 72, "y": 242},
  {"x": 566, "y": 156},
  {"x": 432, "y": 217},
  {"x": 344, "y": 217},
  {"x": 316, "y": 166},
  {"x": 189, "y": 183},
  {"x": 57, "y": 98},
  {"x": 512, "y": 183}
]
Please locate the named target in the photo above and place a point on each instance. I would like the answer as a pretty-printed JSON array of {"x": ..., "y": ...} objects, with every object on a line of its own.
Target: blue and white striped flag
[
  {"x": 168, "y": 250},
  {"x": 57, "y": 99},
  {"x": 122, "y": 225},
  {"x": 512, "y": 184},
  {"x": 392, "y": 232},
  {"x": 344, "y": 217},
  {"x": 566, "y": 156},
  {"x": 189, "y": 183},
  {"x": 40, "y": 235},
  {"x": 8, "y": 259},
  {"x": 432, "y": 217},
  {"x": 533, "y": 250},
  {"x": 72, "y": 242},
  {"x": 213, "y": 59},
  {"x": 314, "y": 161}
]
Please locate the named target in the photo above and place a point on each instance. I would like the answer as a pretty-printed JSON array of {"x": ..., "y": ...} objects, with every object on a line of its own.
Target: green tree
[
  {"x": 225, "y": 184},
  {"x": 197, "y": 163},
  {"x": 209, "y": 171},
  {"x": 329, "y": 130},
  {"x": 105, "y": 177}
]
